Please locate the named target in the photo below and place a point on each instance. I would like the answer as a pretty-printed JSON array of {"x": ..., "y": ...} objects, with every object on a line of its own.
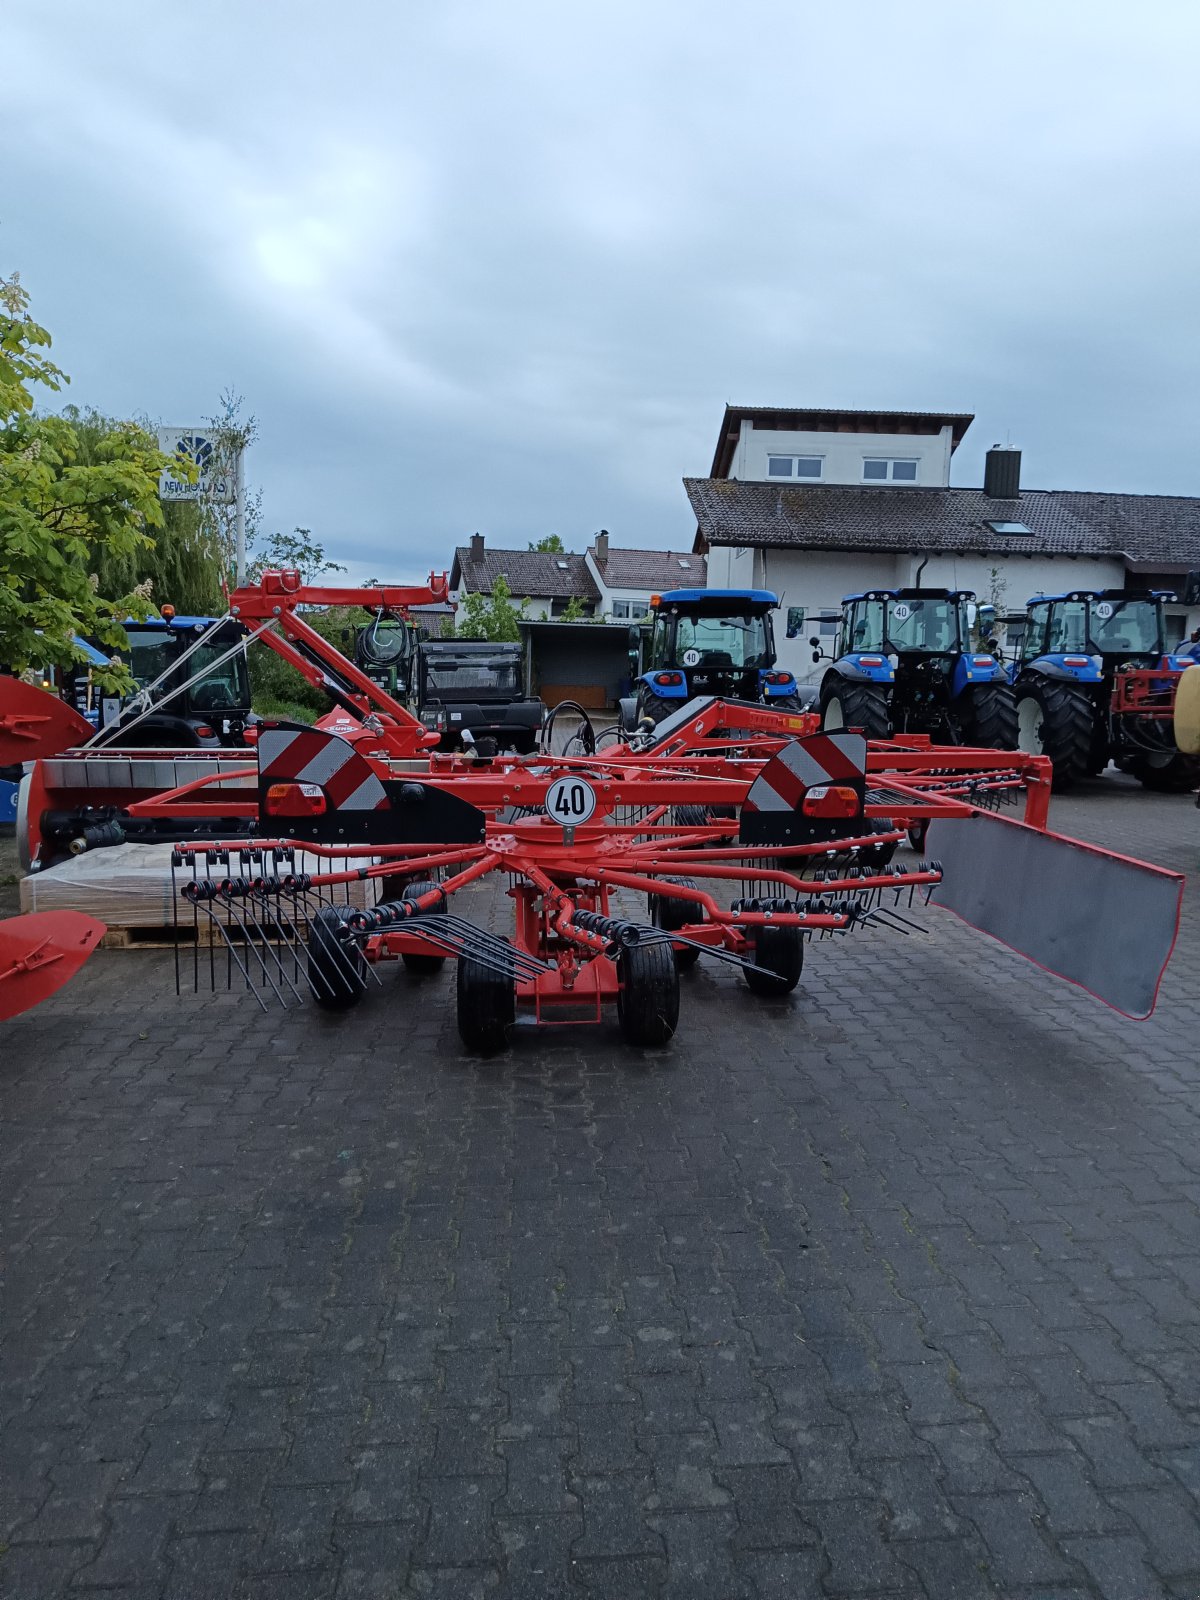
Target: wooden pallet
[{"x": 202, "y": 934}]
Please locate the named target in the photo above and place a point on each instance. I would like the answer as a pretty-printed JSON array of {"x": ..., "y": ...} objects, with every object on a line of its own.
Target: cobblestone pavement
[{"x": 892, "y": 1288}]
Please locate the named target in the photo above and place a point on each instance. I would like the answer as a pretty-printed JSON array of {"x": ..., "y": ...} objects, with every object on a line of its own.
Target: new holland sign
[{"x": 214, "y": 481}]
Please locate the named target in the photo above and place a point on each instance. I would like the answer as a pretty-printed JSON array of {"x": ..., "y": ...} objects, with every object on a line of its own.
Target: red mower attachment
[{"x": 39, "y": 953}]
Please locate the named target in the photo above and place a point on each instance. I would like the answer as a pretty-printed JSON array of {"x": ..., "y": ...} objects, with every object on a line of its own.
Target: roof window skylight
[{"x": 1011, "y": 529}]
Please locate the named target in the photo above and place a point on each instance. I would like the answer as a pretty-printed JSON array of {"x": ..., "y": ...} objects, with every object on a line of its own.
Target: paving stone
[{"x": 1018, "y": 1551}]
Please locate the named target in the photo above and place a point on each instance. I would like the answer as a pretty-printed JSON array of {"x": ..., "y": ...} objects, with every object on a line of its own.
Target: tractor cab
[
  {"x": 202, "y": 701},
  {"x": 711, "y": 642},
  {"x": 1108, "y": 627}
]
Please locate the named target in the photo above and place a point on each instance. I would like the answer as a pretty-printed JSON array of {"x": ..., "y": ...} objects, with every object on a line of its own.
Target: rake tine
[
  {"x": 244, "y": 924},
  {"x": 270, "y": 946},
  {"x": 220, "y": 927},
  {"x": 661, "y": 935},
  {"x": 304, "y": 897}
]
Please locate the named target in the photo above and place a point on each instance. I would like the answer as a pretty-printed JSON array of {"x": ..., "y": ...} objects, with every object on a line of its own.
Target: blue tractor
[
  {"x": 1095, "y": 683},
  {"x": 709, "y": 642},
  {"x": 905, "y": 664}
]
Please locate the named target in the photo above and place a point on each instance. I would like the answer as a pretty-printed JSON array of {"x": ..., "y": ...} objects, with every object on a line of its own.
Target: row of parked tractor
[{"x": 1092, "y": 679}]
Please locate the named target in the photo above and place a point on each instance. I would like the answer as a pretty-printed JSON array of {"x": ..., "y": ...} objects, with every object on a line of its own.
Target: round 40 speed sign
[{"x": 570, "y": 801}]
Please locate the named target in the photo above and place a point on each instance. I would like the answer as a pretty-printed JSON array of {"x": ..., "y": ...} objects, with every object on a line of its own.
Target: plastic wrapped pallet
[{"x": 129, "y": 886}]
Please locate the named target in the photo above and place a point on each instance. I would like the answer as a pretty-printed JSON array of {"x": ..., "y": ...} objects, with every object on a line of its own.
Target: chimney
[
  {"x": 1002, "y": 473},
  {"x": 602, "y": 547},
  {"x": 476, "y": 547}
]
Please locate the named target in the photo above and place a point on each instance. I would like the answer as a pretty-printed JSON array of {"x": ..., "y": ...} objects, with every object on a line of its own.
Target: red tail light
[
  {"x": 203, "y": 731},
  {"x": 669, "y": 679},
  {"x": 830, "y": 800},
  {"x": 294, "y": 800}
]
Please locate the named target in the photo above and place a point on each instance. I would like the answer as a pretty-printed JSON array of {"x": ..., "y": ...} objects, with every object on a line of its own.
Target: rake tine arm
[{"x": 220, "y": 927}]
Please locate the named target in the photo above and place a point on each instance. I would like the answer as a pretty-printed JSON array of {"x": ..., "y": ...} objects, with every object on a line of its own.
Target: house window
[
  {"x": 629, "y": 610},
  {"x": 1011, "y": 529},
  {"x": 889, "y": 469},
  {"x": 794, "y": 467},
  {"x": 829, "y": 625}
]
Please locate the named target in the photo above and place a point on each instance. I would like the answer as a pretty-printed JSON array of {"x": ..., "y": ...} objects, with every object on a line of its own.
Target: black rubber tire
[
  {"x": 486, "y": 1006},
  {"x": 917, "y": 834},
  {"x": 648, "y": 996},
  {"x": 784, "y": 702},
  {"x": 656, "y": 707},
  {"x": 1178, "y": 776},
  {"x": 1064, "y": 729},
  {"x": 422, "y": 965},
  {"x": 667, "y": 912},
  {"x": 781, "y": 950},
  {"x": 337, "y": 968},
  {"x": 860, "y": 705},
  {"x": 990, "y": 717},
  {"x": 873, "y": 856}
]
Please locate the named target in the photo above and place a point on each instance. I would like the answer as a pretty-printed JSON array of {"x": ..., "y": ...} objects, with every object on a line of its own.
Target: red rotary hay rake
[{"x": 725, "y": 837}]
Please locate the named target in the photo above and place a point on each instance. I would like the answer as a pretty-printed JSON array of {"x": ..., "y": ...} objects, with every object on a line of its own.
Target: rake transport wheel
[
  {"x": 1055, "y": 719},
  {"x": 668, "y": 912},
  {"x": 337, "y": 968},
  {"x": 991, "y": 717},
  {"x": 421, "y": 964},
  {"x": 648, "y": 996},
  {"x": 855, "y": 705},
  {"x": 781, "y": 951},
  {"x": 487, "y": 1006}
]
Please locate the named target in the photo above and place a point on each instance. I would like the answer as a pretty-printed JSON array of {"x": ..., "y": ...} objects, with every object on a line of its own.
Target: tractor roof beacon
[
  {"x": 709, "y": 642},
  {"x": 906, "y": 664}
]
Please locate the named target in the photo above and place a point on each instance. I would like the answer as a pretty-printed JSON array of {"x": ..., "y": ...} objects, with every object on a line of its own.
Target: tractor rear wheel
[
  {"x": 781, "y": 951},
  {"x": 337, "y": 968},
  {"x": 421, "y": 963},
  {"x": 487, "y": 1006},
  {"x": 1169, "y": 772},
  {"x": 1056, "y": 719},
  {"x": 648, "y": 996},
  {"x": 656, "y": 707},
  {"x": 855, "y": 705},
  {"x": 990, "y": 717},
  {"x": 784, "y": 702},
  {"x": 666, "y": 911}
]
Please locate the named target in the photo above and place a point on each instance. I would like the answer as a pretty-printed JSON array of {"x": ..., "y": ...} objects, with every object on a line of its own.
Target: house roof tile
[
  {"x": 527, "y": 572},
  {"x": 1137, "y": 527},
  {"x": 650, "y": 569}
]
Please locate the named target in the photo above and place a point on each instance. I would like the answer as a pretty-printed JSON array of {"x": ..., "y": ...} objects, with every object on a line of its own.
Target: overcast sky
[{"x": 498, "y": 265}]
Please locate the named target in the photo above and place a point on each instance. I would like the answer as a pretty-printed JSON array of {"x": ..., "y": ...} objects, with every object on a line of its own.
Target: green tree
[
  {"x": 184, "y": 564},
  {"x": 574, "y": 611},
  {"x": 492, "y": 617},
  {"x": 551, "y": 545},
  {"x": 60, "y": 518},
  {"x": 298, "y": 549}
]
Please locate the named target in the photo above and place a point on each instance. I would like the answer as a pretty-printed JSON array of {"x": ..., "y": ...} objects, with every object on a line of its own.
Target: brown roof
[
  {"x": 527, "y": 572},
  {"x": 807, "y": 419},
  {"x": 1152, "y": 528},
  {"x": 650, "y": 569}
]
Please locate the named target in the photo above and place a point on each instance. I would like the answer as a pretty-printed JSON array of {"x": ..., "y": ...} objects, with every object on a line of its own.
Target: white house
[
  {"x": 817, "y": 504},
  {"x": 626, "y": 578},
  {"x": 549, "y": 580}
]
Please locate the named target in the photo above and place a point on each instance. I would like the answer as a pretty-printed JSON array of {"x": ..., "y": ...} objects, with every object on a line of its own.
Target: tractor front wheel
[
  {"x": 666, "y": 911},
  {"x": 1056, "y": 719},
  {"x": 648, "y": 994},
  {"x": 855, "y": 705},
  {"x": 487, "y": 1006},
  {"x": 990, "y": 719},
  {"x": 337, "y": 968},
  {"x": 423, "y": 963},
  {"x": 781, "y": 952}
]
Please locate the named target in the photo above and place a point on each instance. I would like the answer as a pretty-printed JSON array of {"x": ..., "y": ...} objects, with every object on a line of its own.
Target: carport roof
[{"x": 1160, "y": 529}]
